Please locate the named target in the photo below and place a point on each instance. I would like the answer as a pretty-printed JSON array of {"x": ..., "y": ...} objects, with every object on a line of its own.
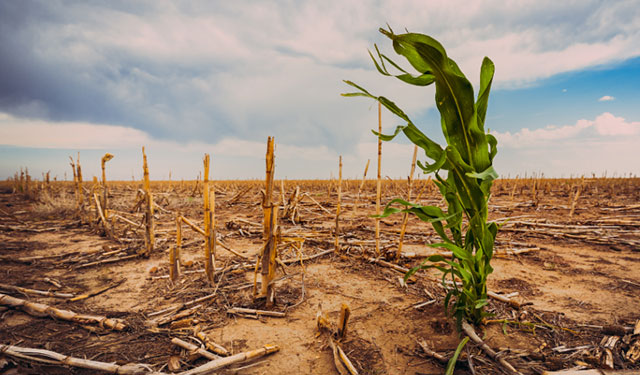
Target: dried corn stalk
[
  {"x": 345, "y": 312},
  {"x": 75, "y": 183},
  {"x": 174, "y": 267},
  {"x": 291, "y": 211},
  {"x": 378, "y": 182},
  {"x": 50, "y": 357},
  {"x": 337, "y": 241},
  {"x": 101, "y": 215},
  {"x": 208, "y": 196},
  {"x": 575, "y": 197},
  {"x": 364, "y": 179},
  {"x": 175, "y": 259},
  {"x": 104, "y": 161},
  {"x": 40, "y": 310},
  {"x": 270, "y": 228},
  {"x": 79, "y": 183},
  {"x": 217, "y": 364},
  {"x": 405, "y": 217},
  {"x": 149, "y": 238}
]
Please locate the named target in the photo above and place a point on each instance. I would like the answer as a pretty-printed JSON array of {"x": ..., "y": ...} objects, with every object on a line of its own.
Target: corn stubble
[{"x": 467, "y": 160}]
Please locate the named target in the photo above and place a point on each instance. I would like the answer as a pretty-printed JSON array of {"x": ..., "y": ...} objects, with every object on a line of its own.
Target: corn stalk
[
  {"x": 466, "y": 159},
  {"x": 270, "y": 229},
  {"x": 208, "y": 198},
  {"x": 103, "y": 163},
  {"x": 149, "y": 237},
  {"x": 337, "y": 239}
]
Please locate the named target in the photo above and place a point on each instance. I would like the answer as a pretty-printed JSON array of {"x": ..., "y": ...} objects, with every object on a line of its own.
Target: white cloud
[
  {"x": 606, "y": 98},
  {"x": 526, "y": 137},
  {"x": 605, "y": 124},
  {"x": 231, "y": 157},
  {"x": 73, "y": 135},
  {"x": 608, "y": 124},
  {"x": 572, "y": 157},
  {"x": 607, "y": 143},
  {"x": 219, "y": 77}
]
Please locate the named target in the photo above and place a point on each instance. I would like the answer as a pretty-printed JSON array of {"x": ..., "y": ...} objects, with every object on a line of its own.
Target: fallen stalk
[
  {"x": 194, "y": 349},
  {"x": 468, "y": 329},
  {"x": 217, "y": 364},
  {"x": 504, "y": 299},
  {"x": 342, "y": 362},
  {"x": 49, "y": 257},
  {"x": 171, "y": 318},
  {"x": 317, "y": 204},
  {"x": 97, "y": 291},
  {"x": 41, "y": 310},
  {"x": 530, "y": 324},
  {"x": 185, "y": 305},
  {"x": 218, "y": 242},
  {"x": 209, "y": 343},
  {"x": 35, "y": 291},
  {"x": 49, "y": 357},
  {"x": 437, "y": 356},
  {"x": 244, "y": 311},
  {"x": 106, "y": 261},
  {"x": 122, "y": 218}
]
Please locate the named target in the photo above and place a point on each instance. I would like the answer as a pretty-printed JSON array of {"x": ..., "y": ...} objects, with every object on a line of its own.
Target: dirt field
[{"x": 577, "y": 279}]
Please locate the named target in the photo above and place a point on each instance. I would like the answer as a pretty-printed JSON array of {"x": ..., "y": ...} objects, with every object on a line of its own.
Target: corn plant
[{"x": 466, "y": 159}]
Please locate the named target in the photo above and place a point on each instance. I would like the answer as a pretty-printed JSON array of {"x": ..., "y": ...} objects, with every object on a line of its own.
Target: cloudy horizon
[{"x": 188, "y": 78}]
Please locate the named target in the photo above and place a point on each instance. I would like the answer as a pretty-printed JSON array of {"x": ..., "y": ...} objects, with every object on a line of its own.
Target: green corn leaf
[
  {"x": 481, "y": 303},
  {"x": 424, "y": 265},
  {"x": 465, "y": 275},
  {"x": 411, "y": 54},
  {"x": 487, "y": 174},
  {"x": 457, "y": 251},
  {"x": 439, "y": 164},
  {"x": 388, "y": 211},
  {"x": 383, "y": 57},
  {"x": 451, "y": 365},
  {"x": 421, "y": 80},
  {"x": 354, "y": 94},
  {"x": 412, "y": 271},
  {"x": 486, "y": 78},
  {"x": 387, "y": 138},
  {"x": 435, "y": 258},
  {"x": 429, "y": 213},
  {"x": 454, "y": 93},
  {"x": 431, "y": 149},
  {"x": 493, "y": 142},
  {"x": 362, "y": 90}
]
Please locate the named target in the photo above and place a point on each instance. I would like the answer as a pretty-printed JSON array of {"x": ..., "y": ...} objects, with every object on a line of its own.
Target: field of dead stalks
[{"x": 89, "y": 290}]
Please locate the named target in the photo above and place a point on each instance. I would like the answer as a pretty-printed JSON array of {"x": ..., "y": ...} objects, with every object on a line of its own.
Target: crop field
[{"x": 292, "y": 277}]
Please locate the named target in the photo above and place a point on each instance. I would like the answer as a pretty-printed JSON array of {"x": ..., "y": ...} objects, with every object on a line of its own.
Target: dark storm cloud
[
  {"x": 51, "y": 69},
  {"x": 209, "y": 70}
]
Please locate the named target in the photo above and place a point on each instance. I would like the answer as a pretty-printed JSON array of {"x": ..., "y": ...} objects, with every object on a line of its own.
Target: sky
[{"x": 193, "y": 77}]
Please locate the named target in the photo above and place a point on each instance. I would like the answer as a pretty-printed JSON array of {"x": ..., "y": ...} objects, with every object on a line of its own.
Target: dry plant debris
[{"x": 575, "y": 279}]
